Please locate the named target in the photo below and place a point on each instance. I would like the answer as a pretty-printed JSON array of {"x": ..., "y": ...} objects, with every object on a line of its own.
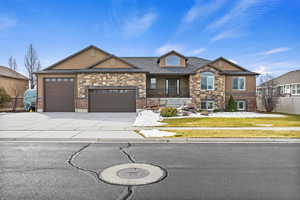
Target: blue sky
[{"x": 261, "y": 35}]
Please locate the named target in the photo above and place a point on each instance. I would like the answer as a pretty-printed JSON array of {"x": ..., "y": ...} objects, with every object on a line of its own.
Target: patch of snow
[
  {"x": 148, "y": 118},
  {"x": 156, "y": 133},
  {"x": 232, "y": 115}
]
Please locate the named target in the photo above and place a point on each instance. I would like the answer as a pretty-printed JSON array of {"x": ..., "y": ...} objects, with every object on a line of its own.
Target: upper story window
[
  {"x": 207, "y": 81},
  {"x": 238, "y": 83},
  {"x": 152, "y": 83},
  {"x": 172, "y": 60}
]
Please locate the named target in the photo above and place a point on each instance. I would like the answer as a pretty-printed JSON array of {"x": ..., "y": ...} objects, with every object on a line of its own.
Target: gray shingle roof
[
  {"x": 150, "y": 65},
  {"x": 143, "y": 64},
  {"x": 7, "y": 72},
  {"x": 70, "y": 71},
  {"x": 229, "y": 72},
  {"x": 287, "y": 78}
]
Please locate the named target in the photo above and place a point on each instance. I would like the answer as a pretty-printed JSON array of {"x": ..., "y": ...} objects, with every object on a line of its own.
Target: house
[
  {"x": 15, "y": 84},
  {"x": 93, "y": 80},
  {"x": 285, "y": 91}
]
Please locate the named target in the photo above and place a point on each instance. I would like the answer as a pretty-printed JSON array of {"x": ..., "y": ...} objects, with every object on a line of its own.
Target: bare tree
[
  {"x": 268, "y": 92},
  {"x": 32, "y": 64},
  {"x": 12, "y": 63}
]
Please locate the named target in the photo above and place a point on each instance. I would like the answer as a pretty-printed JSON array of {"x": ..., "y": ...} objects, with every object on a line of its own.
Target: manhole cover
[{"x": 132, "y": 174}]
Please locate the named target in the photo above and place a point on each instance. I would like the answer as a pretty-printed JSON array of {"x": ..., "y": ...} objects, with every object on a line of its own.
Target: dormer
[{"x": 172, "y": 59}]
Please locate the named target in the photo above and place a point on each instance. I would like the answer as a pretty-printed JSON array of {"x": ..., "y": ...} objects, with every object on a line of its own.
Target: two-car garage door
[
  {"x": 59, "y": 97},
  {"x": 112, "y": 100}
]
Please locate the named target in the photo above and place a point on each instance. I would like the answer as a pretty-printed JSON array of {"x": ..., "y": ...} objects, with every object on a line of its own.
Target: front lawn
[
  {"x": 235, "y": 134},
  {"x": 289, "y": 121}
]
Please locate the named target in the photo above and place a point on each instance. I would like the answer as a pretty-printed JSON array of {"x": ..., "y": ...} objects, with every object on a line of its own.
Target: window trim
[
  {"x": 174, "y": 65},
  {"x": 239, "y": 77},
  {"x": 244, "y": 103},
  {"x": 206, "y": 105},
  {"x": 213, "y": 78}
]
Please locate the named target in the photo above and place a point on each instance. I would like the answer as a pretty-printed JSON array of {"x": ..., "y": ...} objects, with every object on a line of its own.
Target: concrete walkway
[{"x": 68, "y": 135}]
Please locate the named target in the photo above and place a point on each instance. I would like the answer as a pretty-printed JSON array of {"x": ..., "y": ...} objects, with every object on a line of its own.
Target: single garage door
[
  {"x": 59, "y": 94},
  {"x": 112, "y": 100}
]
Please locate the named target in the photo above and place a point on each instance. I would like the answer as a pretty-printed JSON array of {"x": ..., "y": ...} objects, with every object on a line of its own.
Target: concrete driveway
[{"x": 66, "y": 125}]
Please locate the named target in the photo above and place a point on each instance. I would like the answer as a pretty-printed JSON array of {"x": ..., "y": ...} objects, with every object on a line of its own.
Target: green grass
[
  {"x": 235, "y": 134},
  {"x": 288, "y": 121}
]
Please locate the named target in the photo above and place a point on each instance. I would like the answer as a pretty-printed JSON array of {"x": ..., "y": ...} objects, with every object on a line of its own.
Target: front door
[{"x": 173, "y": 87}]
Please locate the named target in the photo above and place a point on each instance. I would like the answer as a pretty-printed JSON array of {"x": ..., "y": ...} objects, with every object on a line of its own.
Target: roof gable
[
  {"x": 112, "y": 62},
  {"x": 173, "y": 52},
  {"x": 81, "y": 59},
  {"x": 226, "y": 65}
]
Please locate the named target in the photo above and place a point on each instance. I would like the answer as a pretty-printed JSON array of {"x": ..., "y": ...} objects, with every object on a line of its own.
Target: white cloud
[
  {"x": 261, "y": 70},
  {"x": 196, "y": 51},
  {"x": 233, "y": 61},
  {"x": 6, "y": 23},
  {"x": 201, "y": 9},
  {"x": 224, "y": 35},
  {"x": 137, "y": 25},
  {"x": 169, "y": 47},
  {"x": 239, "y": 17},
  {"x": 274, "y": 51}
]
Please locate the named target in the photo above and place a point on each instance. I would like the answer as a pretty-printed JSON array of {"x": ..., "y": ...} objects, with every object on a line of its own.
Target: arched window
[
  {"x": 207, "y": 81},
  {"x": 172, "y": 60}
]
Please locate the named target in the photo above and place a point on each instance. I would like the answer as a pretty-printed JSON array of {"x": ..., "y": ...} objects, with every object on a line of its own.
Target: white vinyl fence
[{"x": 289, "y": 105}]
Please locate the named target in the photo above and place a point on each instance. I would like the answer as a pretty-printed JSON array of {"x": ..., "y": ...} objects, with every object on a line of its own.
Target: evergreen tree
[{"x": 231, "y": 107}]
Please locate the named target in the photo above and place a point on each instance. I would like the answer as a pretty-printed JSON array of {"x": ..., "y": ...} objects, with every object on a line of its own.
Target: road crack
[
  {"x": 130, "y": 157},
  {"x": 127, "y": 193},
  {"x": 71, "y": 162}
]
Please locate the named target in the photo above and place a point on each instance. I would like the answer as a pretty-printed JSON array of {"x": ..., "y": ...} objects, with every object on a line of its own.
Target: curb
[{"x": 155, "y": 140}]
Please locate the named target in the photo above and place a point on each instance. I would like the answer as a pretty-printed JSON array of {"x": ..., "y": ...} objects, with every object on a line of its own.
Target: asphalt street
[{"x": 194, "y": 171}]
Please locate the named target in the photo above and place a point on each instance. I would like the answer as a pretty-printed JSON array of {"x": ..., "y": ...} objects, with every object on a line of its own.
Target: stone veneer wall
[
  {"x": 84, "y": 81},
  {"x": 218, "y": 94}
]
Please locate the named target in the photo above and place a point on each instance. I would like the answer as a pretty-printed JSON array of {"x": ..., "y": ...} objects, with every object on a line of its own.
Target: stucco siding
[
  {"x": 14, "y": 86},
  {"x": 82, "y": 60}
]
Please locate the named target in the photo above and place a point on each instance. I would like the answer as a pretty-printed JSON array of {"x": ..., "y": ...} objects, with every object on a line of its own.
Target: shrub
[
  {"x": 216, "y": 110},
  {"x": 231, "y": 107},
  {"x": 168, "y": 112},
  {"x": 4, "y": 97}
]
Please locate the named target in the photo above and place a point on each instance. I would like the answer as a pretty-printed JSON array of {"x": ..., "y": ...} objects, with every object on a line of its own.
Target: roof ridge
[{"x": 14, "y": 73}]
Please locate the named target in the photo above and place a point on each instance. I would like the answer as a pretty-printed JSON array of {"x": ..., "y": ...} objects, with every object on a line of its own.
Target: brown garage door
[
  {"x": 112, "y": 100},
  {"x": 59, "y": 94}
]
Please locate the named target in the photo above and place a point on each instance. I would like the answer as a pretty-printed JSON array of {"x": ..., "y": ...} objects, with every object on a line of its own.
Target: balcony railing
[{"x": 162, "y": 92}]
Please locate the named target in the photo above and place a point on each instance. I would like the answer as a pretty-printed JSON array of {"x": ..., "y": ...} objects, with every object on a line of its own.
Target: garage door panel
[
  {"x": 59, "y": 94},
  {"x": 115, "y": 100}
]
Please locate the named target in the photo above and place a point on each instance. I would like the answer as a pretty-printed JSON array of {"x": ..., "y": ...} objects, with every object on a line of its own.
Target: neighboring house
[
  {"x": 93, "y": 80},
  {"x": 15, "y": 84},
  {"x": 286, "y": 92}
]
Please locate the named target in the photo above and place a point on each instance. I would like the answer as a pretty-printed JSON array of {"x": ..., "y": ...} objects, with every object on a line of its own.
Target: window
[
  {"x": 172, "y": 61},
  {"x": 241, "y": 105},
  {"x": 207, "y": 81},
  {"x": 207, "y": 105},
  {"x": 152, "y": 83},
  {"x": 287, "y": 89},
  {"x": 281, "y": 89},
  {"x": 294, "y": 89},
  {"x": 238, "y": 83}
]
